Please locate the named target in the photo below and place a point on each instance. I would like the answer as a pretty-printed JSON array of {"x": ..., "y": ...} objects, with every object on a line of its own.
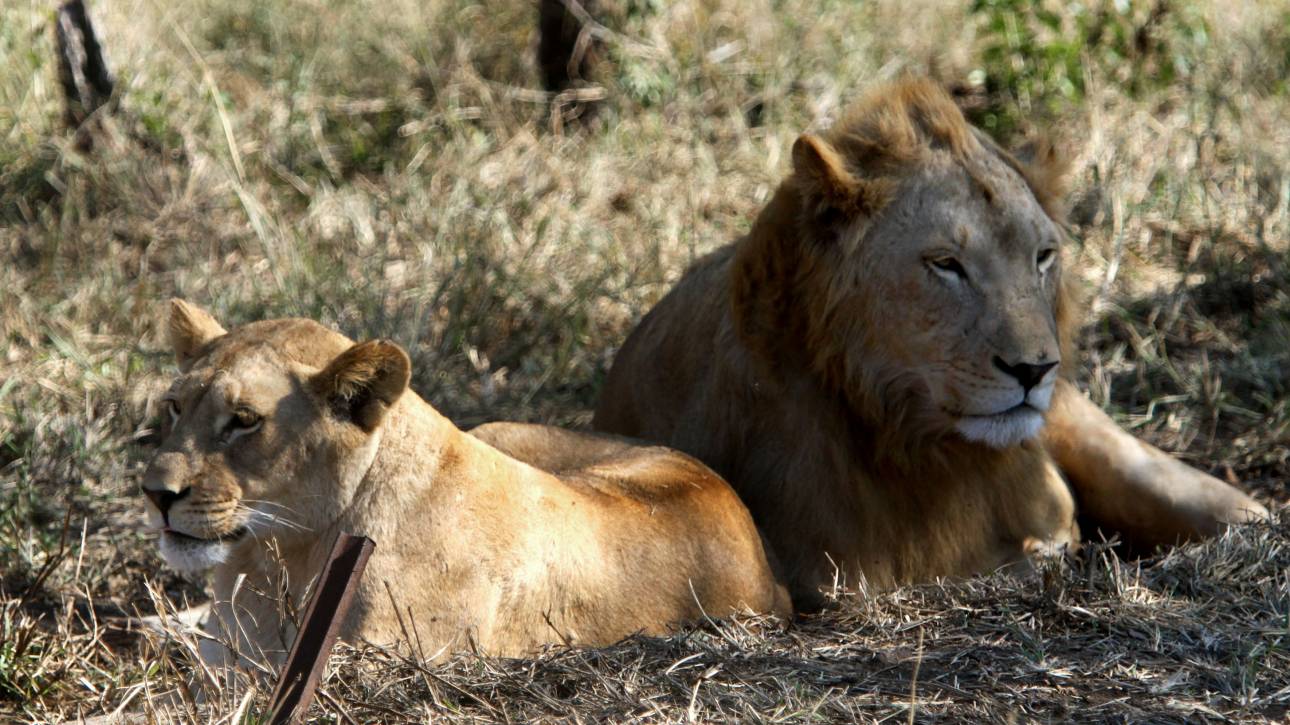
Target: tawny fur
[
  {"x": 825, "y": 363},
  {"x": 598, "y": 539}
]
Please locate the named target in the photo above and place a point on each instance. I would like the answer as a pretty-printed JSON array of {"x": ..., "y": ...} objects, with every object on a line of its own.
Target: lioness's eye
[
  {"x": 244, "y": 421},
  {"x": 1046, "y": 259},
  {"x": 948, "y": 265}
]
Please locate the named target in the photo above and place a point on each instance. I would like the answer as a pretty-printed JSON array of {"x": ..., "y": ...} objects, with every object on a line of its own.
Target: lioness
[
  {"x": 871, "y": 365},
  {"x": 282, "y": 433}
]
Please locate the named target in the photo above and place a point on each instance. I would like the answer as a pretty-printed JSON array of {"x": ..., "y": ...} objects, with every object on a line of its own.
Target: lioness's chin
[
  {"x": 192, "y": 555},
  {"x": 1002, "y": 430}
]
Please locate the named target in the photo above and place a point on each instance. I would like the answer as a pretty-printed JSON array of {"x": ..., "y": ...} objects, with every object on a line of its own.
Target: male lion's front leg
[{"x": 1134, "y": 489}]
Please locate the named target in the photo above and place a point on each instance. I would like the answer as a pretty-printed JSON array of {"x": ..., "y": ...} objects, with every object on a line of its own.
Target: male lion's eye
[
  {"x": 1046, "y": 259},
  {"x": 950, "y": 265},
  {"x": 245, "y": 421}
]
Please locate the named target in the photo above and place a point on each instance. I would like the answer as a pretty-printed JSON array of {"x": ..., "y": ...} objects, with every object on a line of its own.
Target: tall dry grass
[{"x": 390, "y": 169}]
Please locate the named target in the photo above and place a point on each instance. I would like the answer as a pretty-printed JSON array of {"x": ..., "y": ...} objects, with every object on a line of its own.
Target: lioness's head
[
  {"x": 267, "y": 432},
  {"x": 919, "y": 267}
]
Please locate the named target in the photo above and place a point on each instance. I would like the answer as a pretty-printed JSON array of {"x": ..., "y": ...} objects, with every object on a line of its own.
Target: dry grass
[{"x": 389, "y": 169}]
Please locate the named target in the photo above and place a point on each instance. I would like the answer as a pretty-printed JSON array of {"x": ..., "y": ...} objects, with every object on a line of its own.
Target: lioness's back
[
  {"x": 602, "y": 462},
  {"x": 668, "y": 506}
]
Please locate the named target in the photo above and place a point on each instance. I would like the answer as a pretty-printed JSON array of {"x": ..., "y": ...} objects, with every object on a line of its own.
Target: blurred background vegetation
[{"x": 395, "y": 169}]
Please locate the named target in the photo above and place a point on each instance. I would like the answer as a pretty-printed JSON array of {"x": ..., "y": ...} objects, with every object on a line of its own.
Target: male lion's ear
[
  {"x": 829, "y": 184},
  {"x": 364, "y": 382},
  {"x": 1045, "y": 169},
  {"x": 191, "y": 329},
  {"x": 825, "y": 174}
]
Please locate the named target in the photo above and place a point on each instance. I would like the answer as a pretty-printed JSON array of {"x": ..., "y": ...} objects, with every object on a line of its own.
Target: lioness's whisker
[
  {"x": 257, "y": 516},
  {"x": 268, "y": 503}
]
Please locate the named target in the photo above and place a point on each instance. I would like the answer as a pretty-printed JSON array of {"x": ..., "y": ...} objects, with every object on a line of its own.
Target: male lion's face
[
  {"x": 968, "y": 297},
  {"x": 945, "y": 299},
  {"x": 257, "y": 443}
]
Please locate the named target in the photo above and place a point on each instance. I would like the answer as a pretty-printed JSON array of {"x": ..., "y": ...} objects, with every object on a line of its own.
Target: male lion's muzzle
[{"x": 1028, "y": 374}]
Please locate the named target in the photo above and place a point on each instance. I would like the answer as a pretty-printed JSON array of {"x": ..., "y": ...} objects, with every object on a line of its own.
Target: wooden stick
[
  {"x": 568, "y": 51},
  {"x": 328, "y": 605},
  {"x": 82, "y": 71},
  {"x": 565, "y": 50}
]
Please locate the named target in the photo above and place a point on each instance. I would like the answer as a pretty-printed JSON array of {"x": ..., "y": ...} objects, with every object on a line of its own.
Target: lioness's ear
[
  {"x": 191, "y": 328},
  {"x": 363, "y": 382}
]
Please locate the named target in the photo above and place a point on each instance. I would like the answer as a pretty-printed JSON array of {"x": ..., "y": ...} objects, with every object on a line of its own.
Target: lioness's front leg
[{"x": 1134, "y": 489}]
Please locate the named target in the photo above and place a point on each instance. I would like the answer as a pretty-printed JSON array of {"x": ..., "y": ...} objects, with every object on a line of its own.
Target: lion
[
  {"x": 282, "y": 433},
  {"x": 873, "y": 365}
]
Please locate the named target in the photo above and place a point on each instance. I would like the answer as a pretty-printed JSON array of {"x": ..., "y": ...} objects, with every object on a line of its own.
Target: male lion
[
  {"x": 871, "y": 365},
  {"x": 283, "y": 433}
]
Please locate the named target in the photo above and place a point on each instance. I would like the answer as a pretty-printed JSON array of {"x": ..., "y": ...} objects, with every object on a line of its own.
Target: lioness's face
[
  {"x": 235, "y": 438},
  {"x": 962, "y": 274},
  {"x": 257, "y": 444}
]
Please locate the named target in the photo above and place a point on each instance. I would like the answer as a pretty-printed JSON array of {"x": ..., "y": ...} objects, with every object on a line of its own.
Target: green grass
[{"x": 391, "y": 169}]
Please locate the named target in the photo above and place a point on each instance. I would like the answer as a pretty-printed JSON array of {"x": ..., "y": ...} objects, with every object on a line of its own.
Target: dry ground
[{"x": 388, "y": 168}]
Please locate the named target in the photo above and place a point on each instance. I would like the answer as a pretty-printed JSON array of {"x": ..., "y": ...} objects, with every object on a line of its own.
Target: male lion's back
[{"x": 658, "y": 376}]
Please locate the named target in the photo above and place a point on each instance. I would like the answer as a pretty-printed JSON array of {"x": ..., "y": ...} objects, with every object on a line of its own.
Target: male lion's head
[
  {"x": 267, "y": 432},
  {"x": 916, "y": 267}
]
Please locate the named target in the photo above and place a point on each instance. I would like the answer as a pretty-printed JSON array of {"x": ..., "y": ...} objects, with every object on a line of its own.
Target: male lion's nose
[
  {"x": 163, "y": 498},
  {"x": 1027, "y": 374}
]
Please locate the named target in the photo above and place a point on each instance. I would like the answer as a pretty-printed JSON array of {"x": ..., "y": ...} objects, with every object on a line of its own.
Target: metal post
[{"x": 331, "y": 599}]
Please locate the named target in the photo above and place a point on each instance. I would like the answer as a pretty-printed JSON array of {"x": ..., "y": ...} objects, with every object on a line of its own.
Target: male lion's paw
[
  {"x": 1214, "y": 504},
  {"x": 1043, "y": 549},
  {"x": 1248, "y": 511}
]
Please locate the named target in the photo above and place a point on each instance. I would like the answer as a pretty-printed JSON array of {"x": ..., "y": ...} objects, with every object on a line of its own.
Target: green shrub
[{"x": 1038, "y": 55}]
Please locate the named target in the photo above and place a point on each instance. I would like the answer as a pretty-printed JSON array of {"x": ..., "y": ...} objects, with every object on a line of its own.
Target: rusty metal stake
[{"x": 332, "y": 596}]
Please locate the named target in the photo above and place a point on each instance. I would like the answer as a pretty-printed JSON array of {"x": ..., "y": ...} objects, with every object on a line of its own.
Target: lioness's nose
[
  {"x": 1027, "y": 374},
  {"x": 163, "y": 498}
]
